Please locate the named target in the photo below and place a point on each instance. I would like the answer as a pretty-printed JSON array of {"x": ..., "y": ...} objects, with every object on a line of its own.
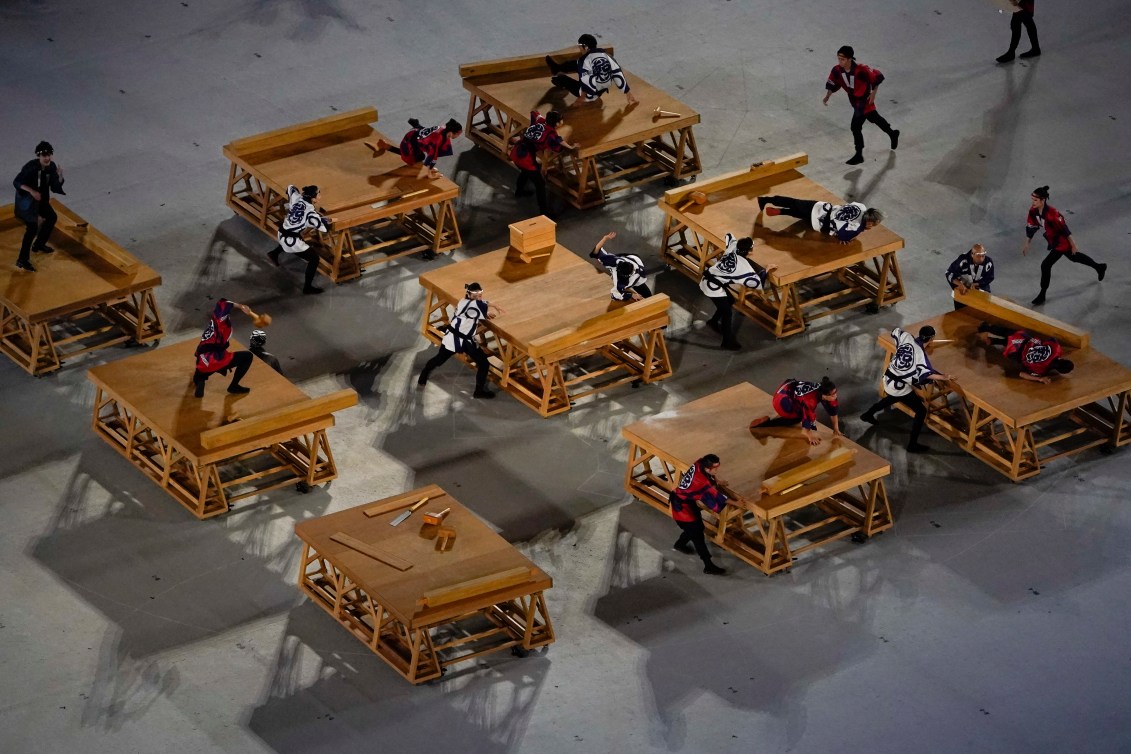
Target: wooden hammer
[
  {"x": 259, "y": 320},
  {"x": 695, "y": 197},
  {"x": 661, "y": 113}
]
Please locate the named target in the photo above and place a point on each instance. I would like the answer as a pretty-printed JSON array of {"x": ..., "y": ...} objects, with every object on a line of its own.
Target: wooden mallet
[
  {"x": 259, "y": 320},
  {"x": 695, "y": 197},
  {"x": 659, "y": 112}
]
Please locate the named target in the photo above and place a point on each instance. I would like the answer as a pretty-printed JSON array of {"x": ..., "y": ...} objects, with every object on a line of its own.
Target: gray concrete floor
[{"x": 992, "y": 618}]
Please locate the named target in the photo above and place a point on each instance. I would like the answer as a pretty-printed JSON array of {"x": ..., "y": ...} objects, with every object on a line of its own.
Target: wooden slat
[
  {"x": 369, "y": 550},
  {"x": 473, "y": 587},
  {"x": 97, "y": 244},
  {"x": 521, "y": 62},
  {"x": 1022, "y": 318},
  {"x": 302, "y": 131},
  {"x": 395, "y": 505},
  {"x": 755, "y": 172},
  {"x": 809, "y": 470},
  {"x": 600, "y": 326},
  {"x": 280, "y": 418}
]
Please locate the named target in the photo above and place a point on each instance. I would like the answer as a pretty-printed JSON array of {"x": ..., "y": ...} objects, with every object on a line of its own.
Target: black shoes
[
  {"x": 482, "y": 392},
  {"x": 428, "y": 255},
  {"x": 917, "y": 447},
  {"x": 733, "y": 345},
  {"x": 868, "y": 417},
  {"x": 1040, "y": 299},
  {"x": 22, "y": 265},
  {"x": 856, "y": 159},
  {"x": 1006, "y": 58},
  {"x": 43, "y": 249},
  {"x": 714, "y": 325},
  {"x": 311, "y": 289},
  {"x": 895, "y": 139},
  {"x": 713, "y": 570},
  {"x": 684, "y": 547},
  {"x": 274, "y": 256},
  {"x": 238, "y": 389},
  {"x": 1033, "y": 53},
  {"x": 763, "y": 201},
  {"x": 1102, "y": 270}
]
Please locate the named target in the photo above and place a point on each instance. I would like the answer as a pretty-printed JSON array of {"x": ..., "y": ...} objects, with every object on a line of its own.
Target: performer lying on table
[
  {"x": 697, "y": 485},
  {"x": 301, "y": 216},
  {"x": 460, "y": 338},
  {"x": 425, "y": 145},
  {"x": 595, "y": 69},
  {"x": 629, "y": 280},
  {"x": 842, "y": 221},
  {"x": 796, "y": 401},
  {"x": 732, "y": 269},
  {"x": 212, "y": 355},
  {"x": 1039, "y": 357}
]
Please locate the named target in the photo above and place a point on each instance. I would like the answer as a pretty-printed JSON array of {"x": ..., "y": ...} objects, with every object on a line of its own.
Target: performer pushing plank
[
  {"x": 697, "y": 485},
  {"x": 1044, "y": 217},
  {"x": 425, "y": 145},
  {"x": 973, "y": 270},
  {"x": 596, "y": 70},
  {"x": 859, "y": 82},
  {"x": 460, "y": 338},
  {"x": 841, "y": 221},
  {"x": 301, "y": 216},
  {"x": 541, "y": 134},
  {"x": 212, "y": 355},
  {"x": 629, "y": 281},
  {"x": 731, "y": 269},
  {"x": 1039, "y": 357},
  {"x": 796, "y": 401},
  {"x": 909, "y": 368}
]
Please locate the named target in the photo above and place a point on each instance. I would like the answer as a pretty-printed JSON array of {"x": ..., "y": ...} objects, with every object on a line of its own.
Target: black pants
[
  {"x": 781, "y": 421},
  {"x": 482, "y": 365},
  {"x": 539, "y": 181},
  {"x": 1055, "y": 256},
  {"x": 39, "y": 231},
  {"x": 695, "y": 533},
  {"x": 241, "y": 362},
  {"x": 311, "y": 257},
  {"x": 572, "y": 85},
  {"x": 802, "y": 209},
  {"x": 998, "y": 333},
  {"x": 912, "y": 401},
  {"x": 1017, "y": 20},
  {"x": 642, "y": 290},
  {"x": 724, "y": 317},
  {"x": 857, "y": 127}
]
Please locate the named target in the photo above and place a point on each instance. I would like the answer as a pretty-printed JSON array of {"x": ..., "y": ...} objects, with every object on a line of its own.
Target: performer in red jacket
[
  {"x": 1023, "y": 16},
  {"x": 541, "y": 135},
  {"x": 1044, "y": 217},
  {"x": 1039, "y": 357},
  {"x": 425, "y": 145},
  {"x": 212, "y": 354},
  {"x": 859, "y": 82},
  {"x": 796, "y": 401},
  {"x": 697, "y": 485}
]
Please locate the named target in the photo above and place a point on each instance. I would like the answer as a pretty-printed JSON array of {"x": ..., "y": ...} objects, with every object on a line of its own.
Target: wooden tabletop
[
  {"x": 157, "y": 385},
  {"x": 991, "y": 381},
  {"x": 72, "y": 278},
  {"x": 719, "y": 424},
  {"x": 478, "y": 552},
  {"x": 799, "y": 251}
]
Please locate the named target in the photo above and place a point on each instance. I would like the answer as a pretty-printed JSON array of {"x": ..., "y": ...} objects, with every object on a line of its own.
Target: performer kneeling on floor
[
  {"x": 796, "y": 401},
  {"x": 460, "y": 338},
  {"x": 425, "y": 145},
  {"x": 841, "y": 221},
  {"x": 909, "y": 368},
  {"x": 301, "y": 216},
  {"x": 731, "y": 270},
  {"x": 595, "y": 70},
  {"x": 697, "y": 485},
  {"x": 629, "y": 280},
  {"x": 1039, "y": 357},
  {"x": 212, "y": 355}
]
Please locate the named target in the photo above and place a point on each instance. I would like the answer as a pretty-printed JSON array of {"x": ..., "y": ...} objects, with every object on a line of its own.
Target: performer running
[
  {"x": 595, "y": 69},
  {"x": 257, "y": 345},
  {"x": 860, "y": 83},
  {"x": 425, "y": 145},
  {"x": 629, "y": 281},
  {"x": 34, "y": 184},
  {"x": 212, "y": 354},
  {"x": 1044, "y": 217},
  {"x": 1023, "y": 16},
  {"x": 541, "y": 134},
  {"x": 697, "y": 485},
  {"x": 1039, "y": 357},
  {"x": 841, "y": 221},
  {"x": 796, "y": 401},
  {"x": 460, "y": 338},
  {"x": 732, "y": 269},
  {"x": 973, "y": 270},
  {"x": 909, "y": 368},
  {"x": 301, "y": 216}
]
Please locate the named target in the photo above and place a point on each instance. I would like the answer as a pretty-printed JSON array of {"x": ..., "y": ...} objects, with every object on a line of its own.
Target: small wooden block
[
  {"x": 437, "y": 518},
  {"x": 534, "y": 234},
  {"x": 369, "y": 550},
  {"x": 808, "y": 470}
]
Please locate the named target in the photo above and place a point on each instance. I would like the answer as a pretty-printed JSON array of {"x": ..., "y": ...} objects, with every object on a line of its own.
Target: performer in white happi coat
[
  {"x": 629, "y": 281},
  {"x": 908, "y": 369},
  {"x": 732, "y": 269},
  {"x": 841, "y": 221},
  {"x": 461, "y": 338},
  {"x": 596, "y": 72},
  {"x": 301, "y": 216}
]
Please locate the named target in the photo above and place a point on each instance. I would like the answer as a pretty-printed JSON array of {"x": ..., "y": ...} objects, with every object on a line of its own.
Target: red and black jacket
[
  {"x": 539, "y": 135},
  {"x": 212, "y": 353},
  {"x": 695, "y": 486},
  {"x": 1035, "y": 354},
  {"x": 1053, "y": 224}
]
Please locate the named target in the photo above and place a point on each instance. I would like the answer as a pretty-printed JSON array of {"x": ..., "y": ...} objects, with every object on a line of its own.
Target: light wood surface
[
  {"x": 807, "y": 472},
  {"x": 370, "y": 551},
  {"x": 280, "y": 418},
  {"x": 1004, "y": 310}
]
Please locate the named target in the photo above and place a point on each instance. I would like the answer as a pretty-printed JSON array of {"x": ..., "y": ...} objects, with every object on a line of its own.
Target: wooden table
[
  {"x": 381, "y": 210},
  {"x": 562, "y": 337},
  {"x": 1013, "y": 425},
  {"x": 619, "y": 146},
  {"x": 90, "y": 294},
  {"x": 816, "y": 276},
  {"x": 766, "y": 530},
  {"x": 145, "y": 409},
  {"x": 480, "y": 596}
]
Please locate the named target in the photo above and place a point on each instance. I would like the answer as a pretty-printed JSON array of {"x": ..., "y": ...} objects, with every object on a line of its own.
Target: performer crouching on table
[
  {"x": 697, "y": 485},
  {"x": 796, "y": 401},
  {"x": 909, "y": 368},
  {"x": 425, "y": 145},
  {"x": 629, "y": 281},
  {"x": 540, "y": 135},
  {"x": 595, "y": 69},
  {"x": 34, "y": 184},
  {"x": 212, "y": 355},
  {"x": 841, "y": 221},
  {"x": 301, "y": 216},
  {"x": 973, "y": 270},
  {"x": 1039, "y": 357},
  {"x": 731, "y": 268},
  {"x": 461, "y": 338},
  {"x": 1044, "y": 217}
]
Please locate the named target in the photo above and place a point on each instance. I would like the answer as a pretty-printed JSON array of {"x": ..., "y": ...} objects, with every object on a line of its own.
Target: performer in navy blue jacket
[
  {"x": 629, "y": 280},
  {"x": 973, "y": 270},
  {"x": 595, "y": 69},
  {"x": 34, "y": 184}
]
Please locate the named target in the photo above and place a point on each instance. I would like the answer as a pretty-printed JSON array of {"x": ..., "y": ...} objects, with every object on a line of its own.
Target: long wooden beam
[
  {"x": 262, "y": 424},
  {"x": 522, "y": 62},
  {"x": 474, "y": 587},
  {"x": 1023, "y": 318},
  {"x": 755, "y": 172},
  {"x": 301, "y": 132},
  {"x": 603, "y": 325},
  {"x": 807, "y": 471}
]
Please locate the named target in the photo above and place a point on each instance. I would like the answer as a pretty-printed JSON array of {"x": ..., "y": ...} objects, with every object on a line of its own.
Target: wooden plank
[
  {"x": 302, "y": 131},
  {"x": 280, "y": 418},
  {"x": 395, "y": 505},
  {"x": 1022, "y": 318},
  {"x": 521, "y": 63},
  {"x": 755, "y": 172},
  {"x": 594, "y": 329},
  {"x": 97, "y": 244},
  {"x": 807, "y": 471},
  {"x": 474, "y": 587},
  {"x": 373, "y": 552}
]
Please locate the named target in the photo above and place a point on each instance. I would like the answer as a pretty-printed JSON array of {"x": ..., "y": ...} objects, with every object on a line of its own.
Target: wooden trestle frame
[
  {"x": 618, "y": 149},
  {"x": 391, "y": 612},
  {"x": 768, "y": 531},
  {"x": 373, "y": 224},
  {"x": 93, "y": 294},
  {"x": 816, "y": 277},
  {"x": 1011, "y": 425}
]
